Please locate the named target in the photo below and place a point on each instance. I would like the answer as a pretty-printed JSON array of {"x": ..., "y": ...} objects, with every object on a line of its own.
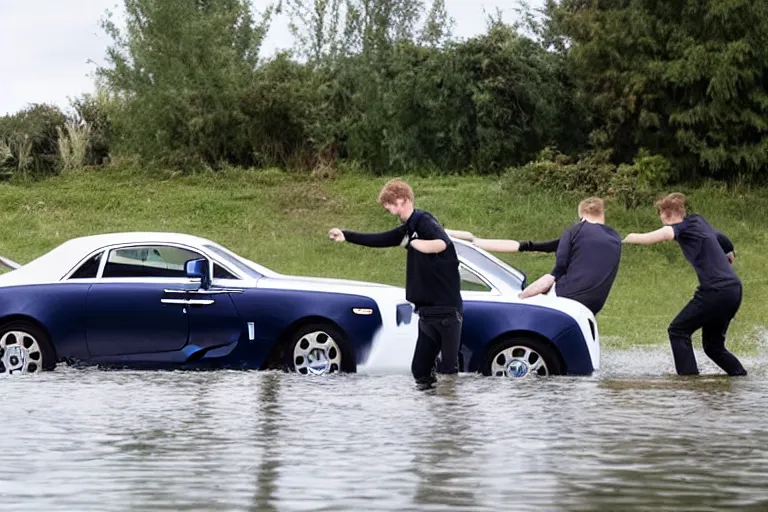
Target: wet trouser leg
[
  {"x": 713, "y": 333},
  {"x": 711, "y": 311},
  {"x": 437, "y": 334}
]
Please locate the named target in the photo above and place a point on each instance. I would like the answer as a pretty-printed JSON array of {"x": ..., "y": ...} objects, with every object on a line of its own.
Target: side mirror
[{"x": 199, "y": 269}]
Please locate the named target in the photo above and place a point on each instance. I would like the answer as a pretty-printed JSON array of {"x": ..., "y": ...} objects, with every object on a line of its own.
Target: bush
[
  {"x": 97, "y": 111},
  {"x": 31, "y": 136},
  {"x": 637, "y": 183},
  {"x": 591, "y": 174},
  {"x": 183, "y": 68},
  {"x": 594, "y": 174}
]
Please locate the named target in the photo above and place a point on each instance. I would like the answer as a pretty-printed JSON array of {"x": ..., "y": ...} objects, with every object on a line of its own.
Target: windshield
[
  {"x": 234, "y": 260},
  {"x": 491, "y": 266}
]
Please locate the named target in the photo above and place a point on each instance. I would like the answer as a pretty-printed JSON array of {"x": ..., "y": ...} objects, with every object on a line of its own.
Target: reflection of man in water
[
  {"x": 587, "y": 257},
  {"x": 717, "y": 298},
  {"x": 445, "y": 453}
]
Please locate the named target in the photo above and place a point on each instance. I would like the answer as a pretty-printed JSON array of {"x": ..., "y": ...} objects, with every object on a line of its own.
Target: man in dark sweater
[
  {"x": 587, "y": 257},
  {"x": 717, "y": 298},
  {"x": 432, "y": 279}
]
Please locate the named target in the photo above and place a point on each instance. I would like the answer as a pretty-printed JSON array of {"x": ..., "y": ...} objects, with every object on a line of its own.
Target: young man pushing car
[{"x": 432, "y": 279}]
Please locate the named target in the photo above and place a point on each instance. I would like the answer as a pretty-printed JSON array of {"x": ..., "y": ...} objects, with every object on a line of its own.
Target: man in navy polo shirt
[
  {"x": 717, "y": 298},
  {"x": 587, "y": 257}
]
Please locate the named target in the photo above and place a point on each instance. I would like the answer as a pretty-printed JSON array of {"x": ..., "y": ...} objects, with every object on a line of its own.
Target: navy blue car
[{"x": 169, "y": 300}]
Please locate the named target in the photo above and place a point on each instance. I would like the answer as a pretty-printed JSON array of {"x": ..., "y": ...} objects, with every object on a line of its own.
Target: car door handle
[
  {"x": 217, "y": 291},
  {"x": 188, "y": 302}
]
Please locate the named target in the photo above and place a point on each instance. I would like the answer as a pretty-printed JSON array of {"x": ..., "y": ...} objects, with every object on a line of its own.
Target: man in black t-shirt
[
  {"x": 588, "y": 254},
  {"x": 717, "y": 298},
  {"x": 432, "y": 279}
]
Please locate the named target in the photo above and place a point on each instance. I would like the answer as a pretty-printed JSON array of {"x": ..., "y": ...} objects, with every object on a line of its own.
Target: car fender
[{"x": 485, "y": 322}]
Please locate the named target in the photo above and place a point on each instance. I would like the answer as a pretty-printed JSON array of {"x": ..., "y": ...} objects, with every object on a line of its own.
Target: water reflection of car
[{"x": 168, "y": 300}]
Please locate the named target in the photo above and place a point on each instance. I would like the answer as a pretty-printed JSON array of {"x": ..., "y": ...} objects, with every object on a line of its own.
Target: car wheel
[
  {"x": 520, "y": 357},
  {"x": 24, "y": 348},
  {"x": 318, "y": 349}
]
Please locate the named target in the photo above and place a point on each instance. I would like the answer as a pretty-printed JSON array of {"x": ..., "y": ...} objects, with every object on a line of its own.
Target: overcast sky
[{"x": 46, "y": 45}]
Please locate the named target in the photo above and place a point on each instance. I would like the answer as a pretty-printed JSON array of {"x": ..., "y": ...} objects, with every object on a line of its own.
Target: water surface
[{"x": 631, "y": 437}]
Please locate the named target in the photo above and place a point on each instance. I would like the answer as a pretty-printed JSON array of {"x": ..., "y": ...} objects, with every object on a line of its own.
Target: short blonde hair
[
  {"x": 592, "y": 206},
  {"x": 395, "y": 189},
  {"x": 673, "y": 203}
]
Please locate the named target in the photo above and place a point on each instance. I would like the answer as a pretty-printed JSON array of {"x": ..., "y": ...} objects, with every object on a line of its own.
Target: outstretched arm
[
  {"x": 504, "y": 245},
  {"x": 461, "y": 235},
  {"x": 549, "y": 246},
  {"x": 494, "y": 245},
  {"x": 390, "y": 238},
  {"x": 545, "y": 282},
  {"x": 497, "y": 245},
  {"x": 652, "y": 237}
]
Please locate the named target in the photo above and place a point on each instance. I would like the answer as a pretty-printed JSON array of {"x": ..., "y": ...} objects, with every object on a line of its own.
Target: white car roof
[{"x": 52, "y": 265}]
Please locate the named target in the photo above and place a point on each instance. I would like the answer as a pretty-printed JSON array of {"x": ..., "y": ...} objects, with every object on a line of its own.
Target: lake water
[{"x": 631, "y": 437}]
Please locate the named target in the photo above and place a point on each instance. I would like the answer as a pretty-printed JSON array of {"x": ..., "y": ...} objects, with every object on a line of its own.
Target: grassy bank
[{"x": 281, "y": 221}]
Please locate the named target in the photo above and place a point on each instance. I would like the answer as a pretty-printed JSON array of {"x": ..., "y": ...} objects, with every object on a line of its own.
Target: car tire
[
  {"x": 318, "y": 349},
  {"x": 25, "y": 348},
  {"x": 521, "y": 356}
]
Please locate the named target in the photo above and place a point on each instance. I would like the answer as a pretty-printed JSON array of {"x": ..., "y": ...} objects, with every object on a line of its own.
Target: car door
[
  {"x": 214, "y": 322},
  {"x": 130, "y": 308}
]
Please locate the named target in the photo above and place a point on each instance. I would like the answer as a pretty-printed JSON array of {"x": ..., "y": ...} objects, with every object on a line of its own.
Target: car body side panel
[
  {"x": 218, "y": 338},
  {"x": 59, "y": 308},
  {"x": 486, "y": 321},
  {"x": 215, "y": 324},
  {"x": 131, "y": 318},
  {"x": 273, "y": 310}
]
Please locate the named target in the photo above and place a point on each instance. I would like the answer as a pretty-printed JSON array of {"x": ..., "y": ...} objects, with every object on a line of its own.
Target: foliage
[
  {"x": 685, "y": 79},
  {"x": 182, "y": 68},
  {"x": 593, "y": 174},
  {"x": 619, "y": 87},
  {"x": 31, "y": 137}
]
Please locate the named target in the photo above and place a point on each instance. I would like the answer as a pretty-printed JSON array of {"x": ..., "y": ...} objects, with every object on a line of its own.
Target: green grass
[{"x": 281, "y": 220}]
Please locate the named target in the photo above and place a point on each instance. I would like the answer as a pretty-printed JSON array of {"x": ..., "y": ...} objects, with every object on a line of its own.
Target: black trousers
[
  {"x": 712, "y": 312},
  {"x": 438, "y": 333}
]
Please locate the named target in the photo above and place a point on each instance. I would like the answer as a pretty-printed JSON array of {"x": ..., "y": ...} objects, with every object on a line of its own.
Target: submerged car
[{"x": 169, "y": 300}]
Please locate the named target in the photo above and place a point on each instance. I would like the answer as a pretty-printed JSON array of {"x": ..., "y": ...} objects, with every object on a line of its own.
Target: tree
[
  {"x": 182, "y": 68},
  {"x": 683, "y": 78}
]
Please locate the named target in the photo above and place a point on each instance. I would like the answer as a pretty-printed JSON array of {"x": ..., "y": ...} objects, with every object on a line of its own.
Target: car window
[
  {"x": 220, "y": 272},
  {"x": 471, "y": 282},
  {"x": 148, "y": 261},
  {"x": 492, "y": 266},
  {"x": 230, "y": 259},
  {"x": 89, "y": 269}
]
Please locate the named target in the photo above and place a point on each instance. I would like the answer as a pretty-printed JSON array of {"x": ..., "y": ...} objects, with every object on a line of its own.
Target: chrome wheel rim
[
  {"x": 19, "y": 353},
  {"x": 518, "y": 362},
  {"x": 316, "y": 353}
]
